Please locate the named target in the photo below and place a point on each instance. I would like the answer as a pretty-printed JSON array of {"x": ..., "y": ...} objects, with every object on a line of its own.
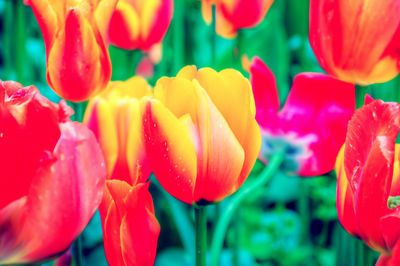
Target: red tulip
[
  {"x": 311, "y": 127},
  {"x": 200, "y": 134},
  {"x": 74, "y": 32},
  {"x": 52, "y": 178},
  {"x": 138, "y": 24},
  {"x": 357, "y": 41},
  {"x": 232, "y": 15},
  {"x": 368, "y": 179},
  {"x": 130, "y": 228}
]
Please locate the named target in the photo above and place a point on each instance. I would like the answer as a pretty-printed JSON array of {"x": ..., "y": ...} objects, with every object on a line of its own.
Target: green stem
[
  {"x": 178, "y": 36},
  {"x": 77, "y": 251},
  {"x": 235, "y": 202},
  {"x": 20, "y": 52},
  {"x": 365, "y": 254},
  {"x": 183, "y": 224},
  {"x": 213, "y": 39},
  {"x": 7, "y": 38},
  {"x": 360, "y": 95},
  {"x": 201, "y": 235}
]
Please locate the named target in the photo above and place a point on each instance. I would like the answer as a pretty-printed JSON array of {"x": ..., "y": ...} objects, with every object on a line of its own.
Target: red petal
[
  {"x": 314, "y": 120},
  {"x": 139, "y": 228},
  {"x": 24, "y": 109},
  {"x": 265, "y": 91},
  {"x": 64, "y": 194},
  {"x": 345, "y": 199}
]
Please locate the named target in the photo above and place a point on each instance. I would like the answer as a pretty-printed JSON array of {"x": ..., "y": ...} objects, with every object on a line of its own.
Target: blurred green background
[{"x": 294, "y": 220}]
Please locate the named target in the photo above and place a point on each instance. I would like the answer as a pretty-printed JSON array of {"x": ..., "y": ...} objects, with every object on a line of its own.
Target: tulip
[
  {"x": 52, "y": 178},
  {"x": 232, "y": 15},
  {"x": 201, "y": 137},
  {"x": 138, "y": 24},
  {"x": 368, "y": 179},
  {"x": 74, "y": 32},
  {"x": 356, "y": 41},
  {"x": 130, "y": 228},
  {"x": 310, "y": 128}
]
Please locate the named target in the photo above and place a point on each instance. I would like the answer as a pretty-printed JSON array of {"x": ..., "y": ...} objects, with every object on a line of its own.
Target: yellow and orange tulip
[
  {"x": 74, "y": 32},
  {"x": 232, "y": 15},
  {"x": 138, "y": 24},
  {"x": 200, "y": 133},
  {"x": 357, "y": 41},
  {"x": 130, "y": 228}
]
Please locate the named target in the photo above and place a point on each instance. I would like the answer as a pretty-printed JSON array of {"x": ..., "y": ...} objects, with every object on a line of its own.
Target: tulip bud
[
  {"x": 78, "y": 62},
  {"x": 140, "y": 24},
  {"x": 232, "y": 15}
]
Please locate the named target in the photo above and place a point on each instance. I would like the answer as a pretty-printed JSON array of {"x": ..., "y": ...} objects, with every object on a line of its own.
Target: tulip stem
[
  {"x": 360, "y": 95},
  {"x": 213, "y": 39},
  {"x": 201, "y": 235},
  {"x": 7, "y": 38},
  {"x": 77, "y": 251},
  {"x": 20, "y": 58},
  {"x": 236, "y": 200}
]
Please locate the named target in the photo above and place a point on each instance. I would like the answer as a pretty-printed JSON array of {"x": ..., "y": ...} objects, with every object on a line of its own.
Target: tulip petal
[
  {"x": 156, "y": 18},
  {"x": 99, "y": 118},
  {"x": 390, "y": 226},
  {"x": 369, "y": 154},
  {"x": 265, "y": 91},
  {"x": 316, "y": 113},
  {"x": 345, "y": 198},
  {"x": 47, "y": 18},
  {"x": 58, "y": 199},
  {"x": 139, "y": 228},
  {"x": 170, "y": 151},
  {"x": 124, "y": 26},
  {"x": 26, "y": 108},
  {"x": 241, "y": 119},
  {"x": 218, "y": 171},
  {"x": 117, "y": 191},
  {"x": 10, "y": 251}
]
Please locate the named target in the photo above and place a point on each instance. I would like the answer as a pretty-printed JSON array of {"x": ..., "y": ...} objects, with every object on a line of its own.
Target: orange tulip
[
  {"x": 74, "y": 32},
  {"x": 52, "y": 176},
  {"x": 130, "y": 227},
  {"x": 357, "y": 41},
  {"x": 138, "y": 24},
  {"x": 200, "y": 132},
  {"x": 232, "y": 15}
]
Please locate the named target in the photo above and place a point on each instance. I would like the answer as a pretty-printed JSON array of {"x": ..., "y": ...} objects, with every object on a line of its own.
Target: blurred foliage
[{"x": 291, "y": 222}]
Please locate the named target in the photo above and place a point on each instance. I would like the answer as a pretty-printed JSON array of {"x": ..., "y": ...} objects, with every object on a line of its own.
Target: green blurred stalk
[
  {"x": 305, "y": 214},
  {"x": 201, "y": 235},
  {"x": 181, "y": 220},
  {"x": 213, "y": 41},
  {"x": 7, "y": 37},
  {"x": 178, "y": 36},
  {"x": 77, "y": 251},
  {"x": 360, "y": 95},
  {"x": 20, "y": 39},
  {"x": 364, "y": 254},
  {"x": 236, "y": 200}
]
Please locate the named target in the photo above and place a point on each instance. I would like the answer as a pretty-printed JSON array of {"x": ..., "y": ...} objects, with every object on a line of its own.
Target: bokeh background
[{"x": 293, "y": 221}]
